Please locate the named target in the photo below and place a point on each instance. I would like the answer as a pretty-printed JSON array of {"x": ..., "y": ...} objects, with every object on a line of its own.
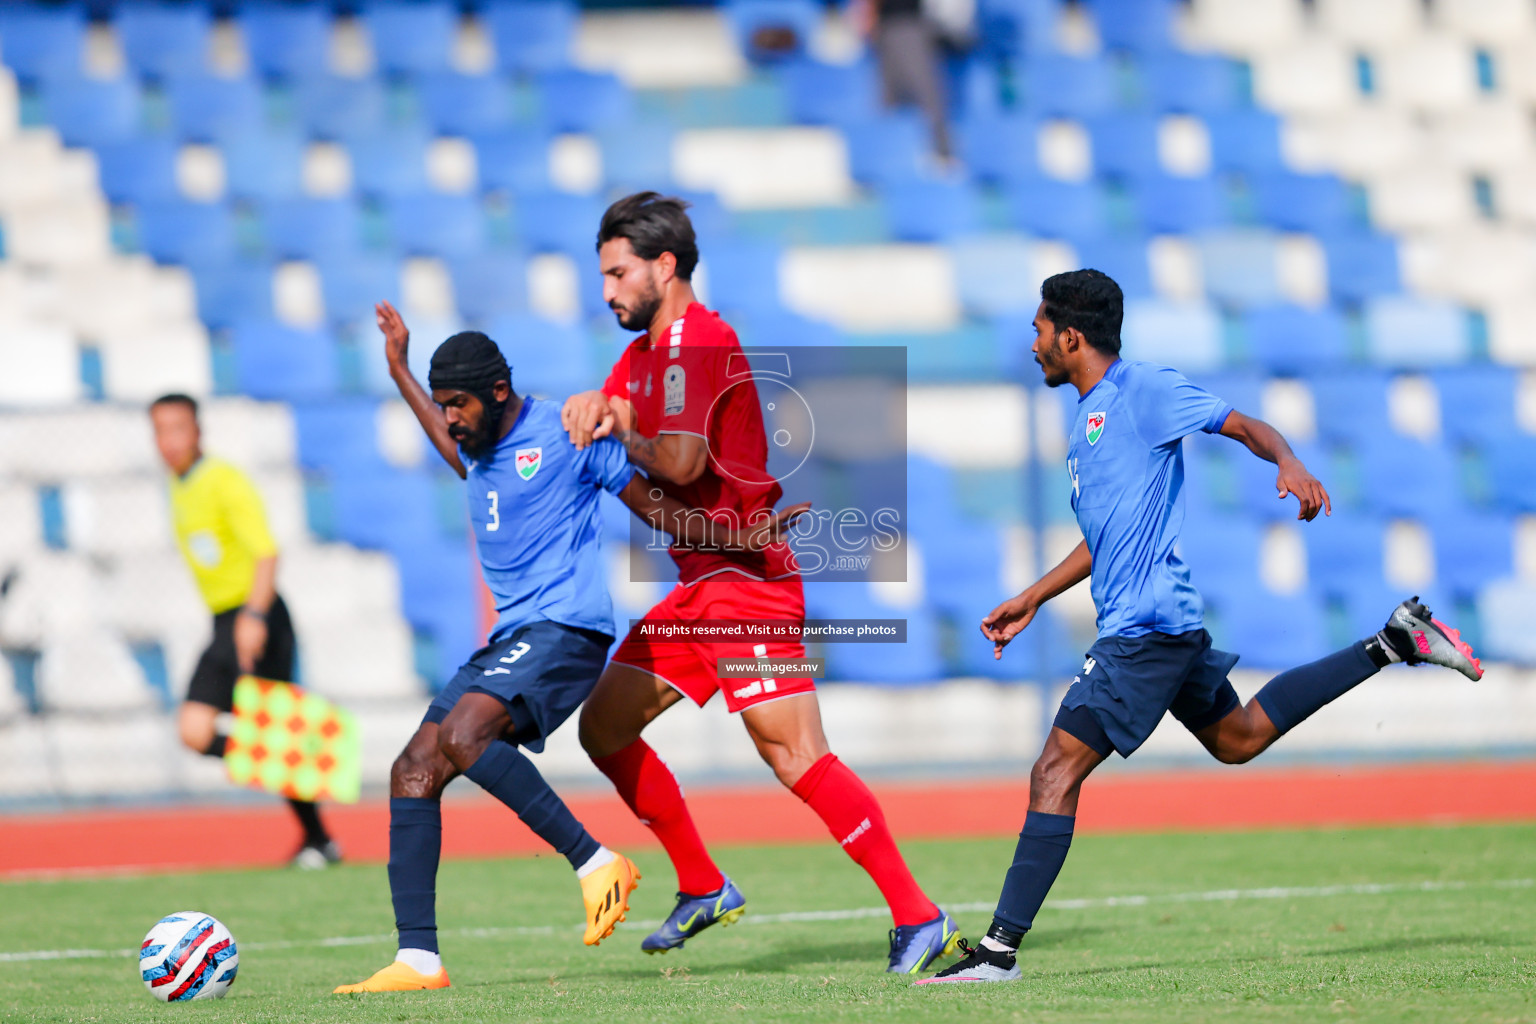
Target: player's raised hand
[
  {"x": 772, "y": 530},
  {"x": 397, "y": 337},
  {"x": 1007, "y": 621},
  {"x": 585, "y": 414},
  {"x": 1293, "y": 478}
]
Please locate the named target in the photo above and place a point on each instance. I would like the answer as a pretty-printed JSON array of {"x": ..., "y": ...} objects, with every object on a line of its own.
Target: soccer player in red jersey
[{"x": 690, "y": 419}]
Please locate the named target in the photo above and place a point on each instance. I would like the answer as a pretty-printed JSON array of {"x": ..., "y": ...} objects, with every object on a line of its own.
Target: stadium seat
[
  {"x": 1058, "y": 209},
  {"x": 830, "y": 94},
  {"x": 548, "y": 359},
  {"x": 1404, "y": 331},
  {"x": 280, "y": 363},
  {"x": 389, "y": 165},
  {"x": 177, "y": 231},
  {"x": 90, "y": 112},
  {"x": 263, "y": 165},
  {"x": 1343, "y": 550},
  {"x": 286, "y": 40},
  {"x": 572, "y": 100},
  {"x": 338, "y": 436},
  {"x": 531, "y": 35},
  {"x": 1511, "y": 461},
  {"x": 352, "y": 284},
  {"x": 1271, "y": 631},
  {"x": 558, "y": 221},
  {"x": 1222, "y": 560},
  {"x": 1477, "y": 402},
  {"x": 41, "y": 42},
  {"x": 514, "y": 160},
  {"x": 1010, "y": 28},
  {"x": 1311, "y": 203},
  {"x": 1244, "y": 141},
  {"x": 931, "y": 211},
  {"x": 998, "y": 147},
  {"x": 991, "y": 272},
  {"x": 1124, "y": 144},
  {"x": 383, "y": 507},
  {"x": 1406, "y": 477},
  {"x": 1472, "y": 548},
  {"x": 306, "y": 229},
  {"x": 490, "y": 283},
  {"x": 743, "y": 277},
  {"x": 1505, "y": 608},
  {"x": 1057, "y": 85},
  {"x": 436, "y": 225},
  {"x": 1188, "y": 83},
  {"x": 1255, "y": 478},
  {"x": 887, "y": 150},
  {"x": 212, "y": 108},
  {"x": 96, "y": 676},
  {"x": 1169, "y": 205},
  {"x": 637, "y": 154},
  {"x": 438, "y": 596},
  {"x": 337, "y": 108},
  {"x": 1361, "y": 264},
  {"x": 162, "y": 39},
  {"x": 1240, "y": 267},
  {"x": 1122, "y": 257},
  {"x": 43, "y": 366},
  {"x": 459, "y": 104},
  {"x": 1294, "y": 340},
  {"x": 1350, "y": 406},
  {"x": 790, "y": 24},
  {"x": 1139, "y": 26},
  {"x": 366, "y": 658},
  {"x": 138, "y": 170},
  {"x": 411, "y": 38},
  {"x": 1186, "y": 335}
]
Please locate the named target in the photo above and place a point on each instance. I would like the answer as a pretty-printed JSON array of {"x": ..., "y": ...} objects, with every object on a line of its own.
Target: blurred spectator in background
[
  {"x": 221, "y": 528},
  {"x": 910, "y": 39}
]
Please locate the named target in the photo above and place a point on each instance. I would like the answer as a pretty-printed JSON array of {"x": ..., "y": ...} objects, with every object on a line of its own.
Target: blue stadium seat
[
  {"x": 931, "y": 211},
  {"x": 961, "y": 565},
  {"x": 1186, "y": 335},
  {"x": 1123, "y": 257},
  {"x": 1058, "y": 209},
  {"x": 1405, "y": 331},
  {"x": 748, "y": 18},
  {"x": 1472, "y": 548},
  {"x": 1169, "y": 205},
  {"x": 1343, "y": 550},
  {"x": 1255, "y": 478},
  {"x": 1240, "y": 267},
  {"x": 531, "y": 35},
  {"x": 211, "y": 108},
  {"x": 637, "y": 154},
  {"x": 263, "y": 165},
  {"x": 572, "y": 100},
  {"x": 1505, "y": 609},
  {"x": 439, "y": 595},
  {"x": 352, "y": 284},
  {"x": 1225, "y": 559},
  {"x": 829, "y": 93},
  {"x": 1000, "y": 147},
  {"x": 1045, "y": 652},
  {"x": 1242, "y": 389},
  {"x": 743, "y": 276},
  {"x": 515, "y": 160},
  {"x": 988, "y": 269},
  {"x": 1361, "y": 264},
  {"x": 1350, "y": 405},
  {"x": 436, "y": 225},
  {"x": 1477, "y": 402},
  {"x": 1056, "y": 85},
  {"x": 177, "y": 231},
  {"x": 302, "y": 229},
  {"x": 547, "y": 358},
  {"x": 1271, "y": 631},
  {"x": 338, "y": 435},
  {"x": 42, "y": 42},
  {"x": 1134, "y": 25},
  {"x": 1311, "y": 203},
  {"x": 1293, "y": 340},
  {"x": 1511, "y": 463},
  {"x": 275, "y": 362},
  {"x": 887, "y": 150},
  {"x": 411, "y": 38},
  {"x": 458, "y": 104},
  {"x": 558, "y": 221},
  {"x": 337, "y": 108},
  {"x": 231, "y": 292},
  {"x": 1244, "y": 141},
  {"x": 389, "y": 164},
  {"x": 1407, "y": 477},
  {"x": 286, "y": 40},
  {"x": 1124, "y": 144},
  {"x": 776, "y": 328},
  {"x": 92, "y": 112},
  {"x": 1189, "y": 83},
  {"x": 138, "y": 170},
  {"x": 489, "y": 284},
  {"x": 915, "y": 661},
  {"x": 1009, "y": 28},
  {"x": 161, "y": 39},
  {"x": 383, "y": 508}
]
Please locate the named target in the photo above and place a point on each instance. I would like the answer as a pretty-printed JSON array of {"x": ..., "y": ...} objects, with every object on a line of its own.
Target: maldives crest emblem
[
  {"x": 1095, "y": 427},
  {"x": 528, "y": 462}
]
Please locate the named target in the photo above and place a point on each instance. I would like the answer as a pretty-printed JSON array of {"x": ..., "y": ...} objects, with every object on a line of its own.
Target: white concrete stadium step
[
  {"x": 333, "y": 583},
  {"x": 670, "y": 49},
  {"x": 872, "y": 288},
  {"x": 765, "y": 168}
]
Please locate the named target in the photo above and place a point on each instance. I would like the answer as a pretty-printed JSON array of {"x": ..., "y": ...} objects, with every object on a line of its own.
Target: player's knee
[
  {"x": 462, "y": 742},
  {"x": 1239, "y": 749},
  {"x": 414, "y": 775},
  {"x": 1051, "y": 778}
]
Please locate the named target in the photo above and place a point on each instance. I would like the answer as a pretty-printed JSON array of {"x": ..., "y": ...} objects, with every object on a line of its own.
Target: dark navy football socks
[
  {"x": 1037, "y": 861},
  {"x": 1297, "y": 693},
  {"x": 506, "y": 773},
  {"x": 415, "y": 843}
]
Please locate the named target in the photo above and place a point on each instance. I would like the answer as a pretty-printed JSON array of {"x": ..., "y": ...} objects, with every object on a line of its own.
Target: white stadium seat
[
  {"x": 53, "y": 593},
  {"x": 150, "y": 595},
  {"x": 106, "y": 516},
  {"x": 872, "y": 288},
  {"x": 1355, "y": 143},
  {"x": 58, "y": 233},
  {"x": 88, "y": 440},
  {"x": 42, "y": 367},
  {"x": 1477, "y": 265},
  {"x": 142, "y": 366},
  {"x": 90, "y": 672},
  {"x": 1315, "y": 76},
  {"x": 1485, "y": 136},
  {"x": 1512, "y": 331},
  {"x": 1369, "y": 21},
  {"x": 661, "y": 50},
  {"x": 25, "y": 759},
  {"x": 359, "y": 659},
  {"x": 765, "y": 168},
  {"x": 1514, "y": 68},
  {"x": 329, "y": 583},
  {"x": 1185, "y": 334},
  {"x": 1422, "y": 197},
  {"x": 1514, "y": 194},
  {"x": 282, "y": 494},
  {"x": 22, "y": 515},
  {"x": 1246, "y": 26},
  {"x": 122, "y": 755},
  {"x": 250, "y": 434},
  {"x": 1431, "y": 72},
  {"x": 1487, "y": 21}
]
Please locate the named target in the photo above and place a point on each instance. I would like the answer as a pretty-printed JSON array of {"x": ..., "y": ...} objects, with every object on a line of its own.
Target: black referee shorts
[{"x": 213, "y": 681}]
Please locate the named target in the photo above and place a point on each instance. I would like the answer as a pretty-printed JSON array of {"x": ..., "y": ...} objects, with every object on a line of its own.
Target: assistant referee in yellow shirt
[{"x": 222, "y": 531}]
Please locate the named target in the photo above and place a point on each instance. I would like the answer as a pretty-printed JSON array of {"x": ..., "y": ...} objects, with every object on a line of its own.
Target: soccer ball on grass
[{"x": 188, "y": 955}]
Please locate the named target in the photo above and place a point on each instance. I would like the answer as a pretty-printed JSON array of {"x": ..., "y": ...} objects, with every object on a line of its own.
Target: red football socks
[
  {"x": 853, "y": 815},
  {"x": 650, "y": 789}
]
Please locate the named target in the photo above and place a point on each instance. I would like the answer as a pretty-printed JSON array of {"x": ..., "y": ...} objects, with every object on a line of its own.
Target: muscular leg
[
  {"x": 472, "y": 739},
  {"x": 623, "y": 703},
  {"x": 789, "y": 736}
]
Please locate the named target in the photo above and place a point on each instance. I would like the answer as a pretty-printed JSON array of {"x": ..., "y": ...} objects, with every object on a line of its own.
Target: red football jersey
[{"x": 697, "y": 381}]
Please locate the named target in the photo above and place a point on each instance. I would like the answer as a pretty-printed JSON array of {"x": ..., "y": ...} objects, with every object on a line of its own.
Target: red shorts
[{"x": 689, "y": 666}]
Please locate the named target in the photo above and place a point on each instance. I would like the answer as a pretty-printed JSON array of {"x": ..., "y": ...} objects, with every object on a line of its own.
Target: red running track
[{"x": 158, "y": 839}]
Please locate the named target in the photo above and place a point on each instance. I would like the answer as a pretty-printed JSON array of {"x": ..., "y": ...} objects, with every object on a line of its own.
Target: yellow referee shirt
[{"x": 221, "y": 528}]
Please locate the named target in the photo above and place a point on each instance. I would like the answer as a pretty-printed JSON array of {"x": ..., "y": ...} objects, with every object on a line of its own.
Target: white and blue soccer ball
[{"x": 188, "y": 955}]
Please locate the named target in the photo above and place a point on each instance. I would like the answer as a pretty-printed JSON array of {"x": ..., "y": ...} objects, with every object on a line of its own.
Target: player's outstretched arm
[
  {"x": 697, "y": 529},
  {"x": 1267, "y": 443},
  {"x": 397, "y": 340},
  {"x": 1008, "y": 619}
]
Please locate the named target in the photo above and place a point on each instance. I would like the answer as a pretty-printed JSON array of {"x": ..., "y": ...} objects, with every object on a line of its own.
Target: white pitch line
[{"x": 857, "y": 913}]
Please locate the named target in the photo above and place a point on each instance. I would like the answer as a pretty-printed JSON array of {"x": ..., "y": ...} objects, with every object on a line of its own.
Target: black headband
[{"x": 468, "y": 361}]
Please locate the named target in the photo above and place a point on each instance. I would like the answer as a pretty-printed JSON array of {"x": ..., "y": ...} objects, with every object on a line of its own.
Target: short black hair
[
  {"x": 1090, "y": 301},
  {"x": 654, "y": 224},
  {"x": 176, "y": 398}
]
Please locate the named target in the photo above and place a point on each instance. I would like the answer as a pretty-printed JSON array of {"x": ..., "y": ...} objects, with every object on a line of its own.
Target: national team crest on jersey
[
  {"x": 528, "y": 461},
  {"x": 1095, "y": 427}
]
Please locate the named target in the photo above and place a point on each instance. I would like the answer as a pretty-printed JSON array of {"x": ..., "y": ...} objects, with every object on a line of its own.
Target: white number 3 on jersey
[
  {"x": 494, "y": 512},
  {"x": 521, "y": 649}
]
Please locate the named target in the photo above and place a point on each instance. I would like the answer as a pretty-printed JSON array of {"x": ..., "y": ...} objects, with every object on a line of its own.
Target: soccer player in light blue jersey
[
  {"x": 533, "y": 504},
  {"x": 1152, "y": 655}
]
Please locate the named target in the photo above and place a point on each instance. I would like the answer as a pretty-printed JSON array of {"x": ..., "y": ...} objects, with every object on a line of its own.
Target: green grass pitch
[{"x": 1421, "y": 924}]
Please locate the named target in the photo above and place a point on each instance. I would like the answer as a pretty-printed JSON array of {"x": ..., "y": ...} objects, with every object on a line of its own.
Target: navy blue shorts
[
  {"x": 541, "y": 672},
  {"x": 1128, "y": 683}
]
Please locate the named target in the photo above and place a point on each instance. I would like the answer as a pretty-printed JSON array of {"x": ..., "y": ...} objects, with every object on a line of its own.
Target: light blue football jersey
[
  {"x": 533, "y": 503},
  {"x": 1127, "y": 468}
]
